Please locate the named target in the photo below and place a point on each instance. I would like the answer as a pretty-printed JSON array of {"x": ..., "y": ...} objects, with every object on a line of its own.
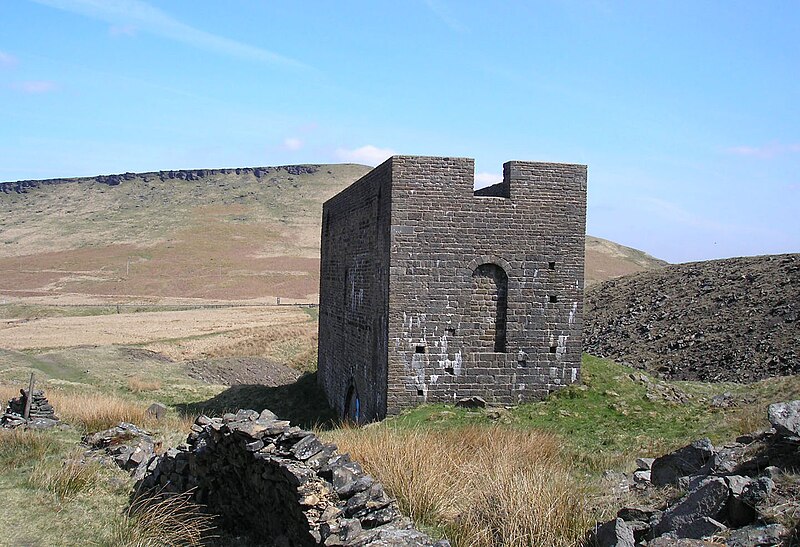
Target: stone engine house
[{"x": 431, "y": 291}]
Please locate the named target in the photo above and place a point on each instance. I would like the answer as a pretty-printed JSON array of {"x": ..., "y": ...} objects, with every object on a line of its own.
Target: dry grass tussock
[
  {"x": 483, "y": 486},
  {"x": 137, "y": 384},
  {"x": 17, "y": 447},
  {"x": 97, "y": 411},
  {"x": 64, "y": 480},
  {"x": 162, "y": 521}
]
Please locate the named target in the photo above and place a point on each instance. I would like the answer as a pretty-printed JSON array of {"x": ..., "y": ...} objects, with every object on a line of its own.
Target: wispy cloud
[
  {"x": 678, "y": 215},
  {"x": 368, "y": 154},
  {"x": 137, "y": 14},
  {"x": 445, "y": 15},
  {"x": 766, "y": 151},
  {"x": 487, "y": 179},
  {"x": 122, "y": 30},
  {"x": 35, "y": 87},
  {"x": 7, "y": 60},
  {"x": 292, "y": 144}
]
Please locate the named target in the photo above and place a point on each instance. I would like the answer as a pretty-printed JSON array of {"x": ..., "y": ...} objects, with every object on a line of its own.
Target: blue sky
[{"x": 687, "y": 113}]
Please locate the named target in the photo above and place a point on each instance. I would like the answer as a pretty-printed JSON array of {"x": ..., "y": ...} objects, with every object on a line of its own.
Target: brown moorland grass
[
  {"x": 162, "y": 521},
  {"x": 481, "y": 486},
  {"x": 65, "y": 479},
  {"x": 137, "y": 384},
  {"x": 18, "y": 447},
  {"x": 97, "y": 411}
]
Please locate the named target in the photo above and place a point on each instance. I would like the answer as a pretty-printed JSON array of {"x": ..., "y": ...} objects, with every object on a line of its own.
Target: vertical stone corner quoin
[{"x": 431, "y": 291}]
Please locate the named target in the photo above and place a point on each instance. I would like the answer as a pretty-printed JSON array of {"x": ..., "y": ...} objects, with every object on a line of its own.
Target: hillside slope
[
  {"x": 207, "y": 234},
  {"x": 606, "y": 260},
  {"x": 736, "y": 319}
]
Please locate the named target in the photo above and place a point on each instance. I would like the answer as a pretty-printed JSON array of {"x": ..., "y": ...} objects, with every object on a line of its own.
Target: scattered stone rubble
[
  {"x": 41, "y": 415},
  {"x": 125, "y": 445},
  {"x": 739, "y": 494},
  {"x": 270, "y": 479}
]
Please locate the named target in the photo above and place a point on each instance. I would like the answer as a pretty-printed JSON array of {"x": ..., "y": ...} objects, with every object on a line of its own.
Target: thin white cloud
[
  {"x": 122, "y": 30},
  {"x": 292, "y": 143},
  {"x": 35, "y": 87},
  {"x": 368, "y": 154},
  {"x": 7, "y": 60},
  {"x": 766, "y": 151},
  {"x": 487, "y": 179},
  {"x": 441, "y": 10},
  {"x": 141, "y": 15},
  {"x": 677, "y": 214}
]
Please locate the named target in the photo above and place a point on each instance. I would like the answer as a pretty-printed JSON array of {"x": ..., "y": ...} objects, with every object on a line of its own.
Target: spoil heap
[{"x": 735, "y": 320}]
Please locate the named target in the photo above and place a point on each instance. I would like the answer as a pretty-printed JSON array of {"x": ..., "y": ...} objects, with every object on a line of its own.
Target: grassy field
[{"x": 530, "y": 474}]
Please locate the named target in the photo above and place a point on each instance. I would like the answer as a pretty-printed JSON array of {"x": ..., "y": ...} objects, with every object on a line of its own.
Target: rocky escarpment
[
  {"x": 736, "y": 319},
  {"x": 22, "y": 186},
  {"x": 281, "y": 484}
]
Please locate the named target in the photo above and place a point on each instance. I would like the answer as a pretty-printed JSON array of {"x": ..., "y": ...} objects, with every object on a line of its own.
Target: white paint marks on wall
[
  {"x": 561, "y": 349},
  {"x": 573, "y": 312}
]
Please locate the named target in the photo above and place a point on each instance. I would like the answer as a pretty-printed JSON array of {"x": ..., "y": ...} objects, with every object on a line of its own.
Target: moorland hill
[{"x": 205, "y": 234}]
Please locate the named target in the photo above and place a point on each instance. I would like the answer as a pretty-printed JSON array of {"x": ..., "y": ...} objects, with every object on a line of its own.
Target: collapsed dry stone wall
[{"x": 281, "y": 484}]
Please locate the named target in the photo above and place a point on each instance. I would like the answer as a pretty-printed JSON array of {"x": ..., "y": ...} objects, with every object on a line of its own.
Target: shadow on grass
[{"x": 303, "y": 402}]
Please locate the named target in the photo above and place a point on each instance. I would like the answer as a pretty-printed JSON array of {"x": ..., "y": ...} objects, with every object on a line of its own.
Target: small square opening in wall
[
  {"x": 420, "y": 392},
  {"x": 551, "y": 265},
  {"x": 553, "y": 299},
  {"x": 419, "y": 349},
  {"x": 451, "y": 331},
  {"x": 450, "y": 370},
  {"x": 552, "y": 349}
]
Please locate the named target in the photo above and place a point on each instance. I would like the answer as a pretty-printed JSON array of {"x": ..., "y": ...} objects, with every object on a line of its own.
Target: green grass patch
[{"x": 619, "y": 413}]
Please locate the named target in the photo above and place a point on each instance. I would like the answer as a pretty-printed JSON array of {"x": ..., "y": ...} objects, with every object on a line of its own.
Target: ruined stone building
[{"x": 430, "y": 291}]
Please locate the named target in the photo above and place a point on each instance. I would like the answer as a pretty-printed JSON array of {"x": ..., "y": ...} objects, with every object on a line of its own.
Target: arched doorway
[
  {"x": 352, "y": 406},
  {"x": 489, "y": 307}
]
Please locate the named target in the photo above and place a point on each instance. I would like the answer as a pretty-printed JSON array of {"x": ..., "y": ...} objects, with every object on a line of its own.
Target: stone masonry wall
[
  {"x": 353, "y": 309},
  {"x": 446, "y": 242},
  {"x": 280, "y": 484},
  {"x": 484, "y": 293}
]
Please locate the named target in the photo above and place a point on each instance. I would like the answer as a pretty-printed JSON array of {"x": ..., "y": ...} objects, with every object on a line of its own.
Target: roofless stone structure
[{"x": 431, "y": 291}]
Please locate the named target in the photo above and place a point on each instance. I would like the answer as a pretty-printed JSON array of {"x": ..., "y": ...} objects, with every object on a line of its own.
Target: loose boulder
[
  {"x": 785, "y": 418},
  {"x": 689, "y": 460}
]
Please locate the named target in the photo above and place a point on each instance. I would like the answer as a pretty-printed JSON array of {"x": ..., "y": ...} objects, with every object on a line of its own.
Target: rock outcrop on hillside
[
  {"x": 735, "y": 319},
  {"x": 23, "y": 186}
]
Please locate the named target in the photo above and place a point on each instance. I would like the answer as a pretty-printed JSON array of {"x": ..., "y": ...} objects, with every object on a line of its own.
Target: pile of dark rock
[
  {"x": 735, "y": 319},
  {"x": 740, "y": 494},
  {"x": 125, "y": 445},
  {"x": 268, "y": 479},
  {"x": 41, "y": 414}
]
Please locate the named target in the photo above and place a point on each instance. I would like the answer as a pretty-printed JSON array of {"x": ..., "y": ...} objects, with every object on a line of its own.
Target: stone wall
[
  {"x": 280, "y": 484},
  {"x": 484, "y": 295},
  {"x": 354, "y": 277}
]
